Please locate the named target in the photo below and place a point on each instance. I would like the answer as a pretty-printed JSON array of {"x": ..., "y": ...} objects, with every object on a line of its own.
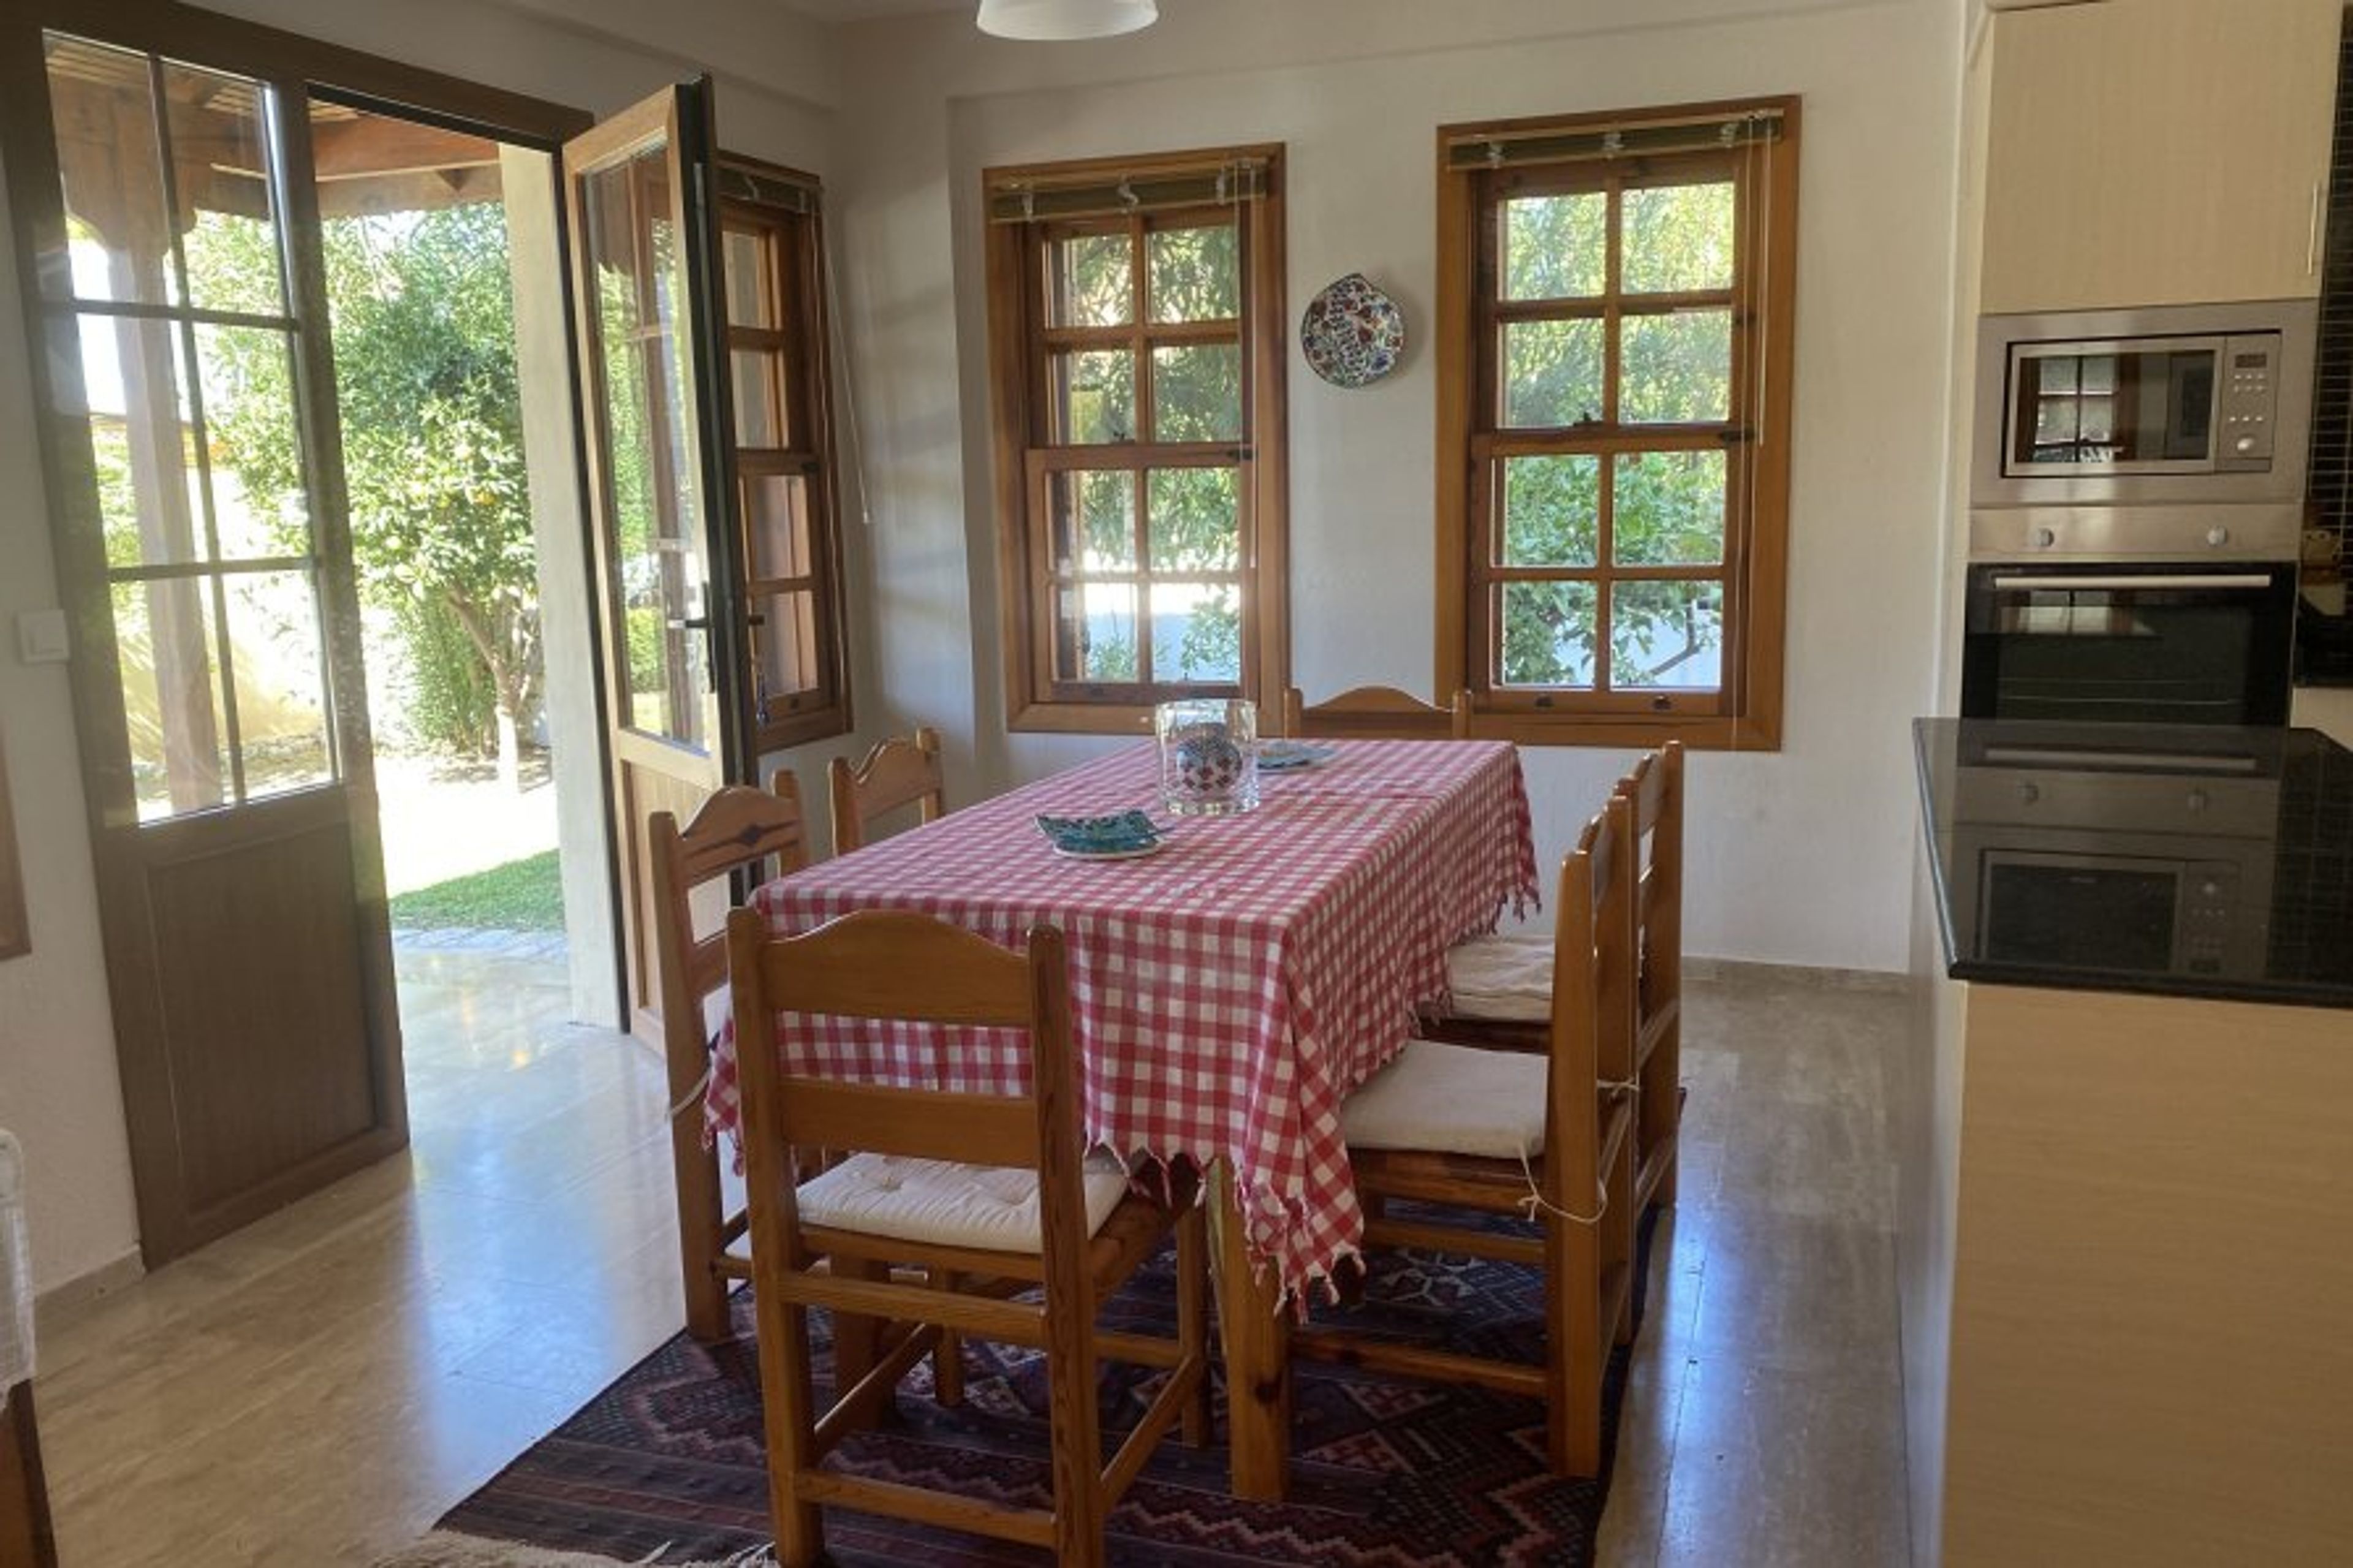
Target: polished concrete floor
[{"x": 317, "y": 1388}]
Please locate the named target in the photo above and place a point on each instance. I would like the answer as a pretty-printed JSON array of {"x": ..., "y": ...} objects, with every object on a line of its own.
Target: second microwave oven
[{"x": 2200, "y": 404}]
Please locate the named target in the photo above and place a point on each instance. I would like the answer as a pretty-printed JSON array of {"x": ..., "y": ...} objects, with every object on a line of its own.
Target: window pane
[
  {"x": 1552, "y": 512},
  {"x": 1556, "y": 248},
  {"x": 1669, "y": 509},
  {"x": 759, "y": 420},
  {"x": 1197, "y": 393},
  {"x": 150, "y": 493},
  {"x": 749, "y": 296},
  {"x": 1089, "y": 281},
  {"x": 281, "y": 714},
  {"x": 784, "y": 652},
  {"x": 1675, "y": 369},
  {"x": 1094, "y": 520},
  {"x": 1197, "y": 632},
  {"x": 1678, "y": 238},
  {"x": 221, "y": 167},
  {"x": 1548, "y": 633},
  {"x": 1196, "y": 519},
  {"x": 1094, "y": 396},
  {"x": 775, "y": 515},
  {"x": 1666, "y": 636},
  {"x": 164, "y": 642},
  {"x": 259, "y": 505},
  {"x": 1551, "y": 373},
  {"x": 1195, "y": 274},
  {"x": 1096, "y": 638},
  {"x": 118, "y": 239}
]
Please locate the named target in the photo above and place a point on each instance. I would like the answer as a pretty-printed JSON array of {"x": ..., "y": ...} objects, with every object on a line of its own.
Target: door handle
[
  {"x": 2181, "y": 580},
  {"x": 691, "y": 624}
]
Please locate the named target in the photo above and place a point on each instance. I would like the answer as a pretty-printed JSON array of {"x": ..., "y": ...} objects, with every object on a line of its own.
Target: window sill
[
  {"x": 1082, "y": 718},
  {"x": 1708, "y": 732}
]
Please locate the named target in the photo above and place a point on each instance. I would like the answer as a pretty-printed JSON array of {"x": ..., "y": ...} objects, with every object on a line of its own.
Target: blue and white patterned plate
[
  {"x": 1352, "y": 333},
  {"x": 1289, "y": 756},
  {"x": 1117, "y": 837}
]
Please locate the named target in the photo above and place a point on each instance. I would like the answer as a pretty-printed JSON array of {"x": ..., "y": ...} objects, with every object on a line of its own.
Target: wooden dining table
[{"x": 1229, "y": 989}]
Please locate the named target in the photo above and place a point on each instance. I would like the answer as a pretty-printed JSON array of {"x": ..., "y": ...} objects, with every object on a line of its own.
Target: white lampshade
[{"x": 1050, "y": 20}]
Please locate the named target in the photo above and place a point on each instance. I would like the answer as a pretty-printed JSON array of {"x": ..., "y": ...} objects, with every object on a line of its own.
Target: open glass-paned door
[{"x": 645, "y": 238}]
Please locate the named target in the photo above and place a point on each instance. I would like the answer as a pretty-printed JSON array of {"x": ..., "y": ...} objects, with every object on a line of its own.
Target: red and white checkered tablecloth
[{"x": 1228, "y": 991}]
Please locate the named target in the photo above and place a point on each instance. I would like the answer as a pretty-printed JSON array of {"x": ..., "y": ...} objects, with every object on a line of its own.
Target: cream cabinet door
[{"x": 2158, "y": 151}]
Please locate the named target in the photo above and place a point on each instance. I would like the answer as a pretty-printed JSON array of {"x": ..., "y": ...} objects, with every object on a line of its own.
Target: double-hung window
[
  {"x": 1136, "y": 311},
  {"x": 1613, "y": 328}
]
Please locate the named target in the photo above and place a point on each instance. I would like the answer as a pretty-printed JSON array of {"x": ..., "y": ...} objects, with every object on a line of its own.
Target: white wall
[
  {"x": 58, "y": 1084},
  {"x": 1796, "y": 858}
]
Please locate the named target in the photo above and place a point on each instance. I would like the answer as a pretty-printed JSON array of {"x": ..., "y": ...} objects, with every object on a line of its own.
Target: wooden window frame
[
  {"x": 1025, "y": 457},
  {"x": 801, "y": 393},
  {"x": 1746, "y": 713}
]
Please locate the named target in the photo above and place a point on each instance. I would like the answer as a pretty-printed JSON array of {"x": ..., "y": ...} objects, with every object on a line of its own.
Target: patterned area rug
[{"x": 666, "y": 1466}]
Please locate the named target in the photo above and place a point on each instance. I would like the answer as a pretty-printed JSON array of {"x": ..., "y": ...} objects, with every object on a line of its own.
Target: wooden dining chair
[
  {"x": 1376, "y": 712},
  {"x": 1656, "y": 789},
  {"x": 1473, "y": 1131},
  {"x": 989, "y": 1193},
  {"x": 737, "y": 829},
  {"x": 899, "y": 772}
]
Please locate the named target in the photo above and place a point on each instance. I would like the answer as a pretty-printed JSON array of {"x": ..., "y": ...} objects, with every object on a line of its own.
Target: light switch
[{"x": 41, "y": 636}]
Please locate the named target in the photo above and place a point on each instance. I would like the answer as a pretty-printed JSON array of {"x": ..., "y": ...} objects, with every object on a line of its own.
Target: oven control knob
[
  {"x": 2198, "y": 800},
  {"x": 2218, "y": 536},
  {"x": 2210, "y": 890},
  {"x": 2245, "y": 444},
  {"x": 2044, "y": 538},
  {"x": 2029, "y": 794}
]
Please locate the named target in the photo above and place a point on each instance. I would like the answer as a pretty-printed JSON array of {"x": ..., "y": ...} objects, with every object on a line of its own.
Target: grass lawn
[{"x": 522, "y": 895}]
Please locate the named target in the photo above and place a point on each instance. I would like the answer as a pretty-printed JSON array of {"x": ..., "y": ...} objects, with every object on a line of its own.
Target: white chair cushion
[
  {"x": 1502, "y": 977},
  {"x": 991, "y": 1208},
  {"x": 1451, "y": 1100}
]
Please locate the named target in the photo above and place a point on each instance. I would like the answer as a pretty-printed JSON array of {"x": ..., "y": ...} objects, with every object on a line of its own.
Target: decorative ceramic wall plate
[{"x": 1352, "y": 333}]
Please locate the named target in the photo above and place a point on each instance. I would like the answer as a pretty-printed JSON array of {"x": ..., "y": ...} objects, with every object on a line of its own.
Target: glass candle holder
[{"x": 1209, "y": 756}]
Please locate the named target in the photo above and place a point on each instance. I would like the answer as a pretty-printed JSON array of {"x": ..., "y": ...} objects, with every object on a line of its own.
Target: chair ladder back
[
  {"x": 899, "y": 772},
  {"x": 737, "y": 829},
  {"x": 1377, "y": 713}
]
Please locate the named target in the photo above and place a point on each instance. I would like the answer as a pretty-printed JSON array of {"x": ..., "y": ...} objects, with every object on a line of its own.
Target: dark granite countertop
[{"x": 2180, "y": 860}]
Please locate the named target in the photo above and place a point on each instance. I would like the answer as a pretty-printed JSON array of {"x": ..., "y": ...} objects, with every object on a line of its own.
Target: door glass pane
[
  {"x": 1669, "y": 509},
  {"x": 150, "y": 493},
  {"x": 751, "y": 297},
  {"x": 1551, "y": 373},
  {"x": 1552, "y": 512},
  {"x": 1094, "y": 396},
  {"x": 1089, "y": 281},
  {"x": 759, "y": 418},
  {"x": 1095, "y": 634},
  {"x": 1548, "y": 633},
  {"x": 1197, "y": 632},
  {"x": 1666, "y": 634},
  {"x": 1678, "y": 238},
  {"x": 221, "y": 170},
  {"x": 659, "y": 571},
  {"x": 165, "y": 643},
  {"x": 1195, "y": 274},
  {"x": 1196, "y": 519},
  {"x": 259, "y": 505},
  {"x": 783, "y": 651},
  {"x": 1676, "y": 368},
  {"x": 281, "y": 713},
  {"x": 102, "y": 108},
  {"x": 1556, "y": 248},
  {"x": 776, "y": 511},
  {"x": 1093, "y": 513},
  {"x": 1197, "y": 393}
]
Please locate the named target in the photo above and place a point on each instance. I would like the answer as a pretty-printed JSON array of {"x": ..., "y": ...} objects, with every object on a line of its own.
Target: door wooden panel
[{"x": 646, "y": 257}]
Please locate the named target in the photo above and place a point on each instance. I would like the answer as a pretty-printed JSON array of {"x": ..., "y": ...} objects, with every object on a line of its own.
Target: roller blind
[
  {"x": 1016, "y": 196},
  {"x": 1501, "y": 147}
]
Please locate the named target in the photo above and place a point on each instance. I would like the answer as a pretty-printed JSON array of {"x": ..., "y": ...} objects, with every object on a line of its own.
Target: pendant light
[{"x": 1057, "y": 20}]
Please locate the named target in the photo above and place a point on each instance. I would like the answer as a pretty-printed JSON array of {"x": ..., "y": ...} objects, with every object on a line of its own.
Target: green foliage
[
  {"x": 431, "y": 412},
  {"x": 453, "y": 706}
]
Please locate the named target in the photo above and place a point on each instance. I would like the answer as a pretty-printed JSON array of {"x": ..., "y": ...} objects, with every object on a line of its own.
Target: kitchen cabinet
[{"x": 2157, "y": 152}]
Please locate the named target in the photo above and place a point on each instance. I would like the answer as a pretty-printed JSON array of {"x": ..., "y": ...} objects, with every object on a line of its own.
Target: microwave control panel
[{"x": 2248, "y": 404}]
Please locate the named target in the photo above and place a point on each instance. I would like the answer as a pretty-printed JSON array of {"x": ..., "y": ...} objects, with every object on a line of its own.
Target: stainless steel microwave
[{"x": 2193, "y": 404}]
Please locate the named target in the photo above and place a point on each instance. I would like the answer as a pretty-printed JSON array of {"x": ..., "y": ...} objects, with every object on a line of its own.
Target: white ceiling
[{"x": 857, "y": 10}]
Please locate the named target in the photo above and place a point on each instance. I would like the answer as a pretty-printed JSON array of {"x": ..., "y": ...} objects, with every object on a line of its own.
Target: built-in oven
[
  {"x": 2129, "y": 642},
  {"x": 2121, "y": 860}
]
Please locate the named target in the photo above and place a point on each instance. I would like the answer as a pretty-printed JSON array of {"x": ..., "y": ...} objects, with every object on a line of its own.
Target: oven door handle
[{"x": 2181, "y": 580}]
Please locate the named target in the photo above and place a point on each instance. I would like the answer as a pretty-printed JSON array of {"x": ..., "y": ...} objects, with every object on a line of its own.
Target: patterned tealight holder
[{"x": 1209, "y": 756}]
